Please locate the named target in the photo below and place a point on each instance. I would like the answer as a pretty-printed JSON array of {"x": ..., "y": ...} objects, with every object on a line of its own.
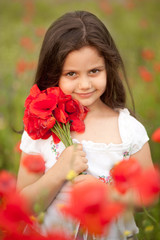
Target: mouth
[{"x": 85, "y": 95}]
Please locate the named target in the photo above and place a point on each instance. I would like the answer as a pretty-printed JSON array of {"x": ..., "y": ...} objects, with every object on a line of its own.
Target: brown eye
[
  {"x": 93, "y": 71},
  {"x": 71, "y": 74}
]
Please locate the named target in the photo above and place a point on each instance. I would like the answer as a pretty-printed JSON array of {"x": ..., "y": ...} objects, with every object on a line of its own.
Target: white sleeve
[
  {"x": 30, "y": 146},
  {"x": 139, "y": 135},
  {"x": 132, "y": 131}
]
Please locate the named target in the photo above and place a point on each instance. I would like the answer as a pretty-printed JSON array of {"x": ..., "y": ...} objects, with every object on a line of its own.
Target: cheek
[
  {"x": 102, "y": 84},
  {"x": 66, "y": 86}
]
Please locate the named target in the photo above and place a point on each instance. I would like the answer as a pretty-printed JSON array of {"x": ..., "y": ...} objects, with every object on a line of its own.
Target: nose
[{"x": 84, "y": 82}]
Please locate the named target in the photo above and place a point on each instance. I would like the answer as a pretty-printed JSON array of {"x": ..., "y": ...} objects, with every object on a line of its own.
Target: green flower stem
[
  {"x": 150, "y": 216},
  {"x": 63, "y": 133},
  {"x": 61, "y": 130},
  {"x": 67, "y": 127},
  {"x": 59, "y": 134}
]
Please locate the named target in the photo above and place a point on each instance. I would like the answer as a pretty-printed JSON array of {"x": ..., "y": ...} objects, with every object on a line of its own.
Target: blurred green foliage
[{"x": 134, "y": 26}]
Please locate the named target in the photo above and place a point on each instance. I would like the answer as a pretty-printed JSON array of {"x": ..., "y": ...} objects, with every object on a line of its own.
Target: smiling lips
[{"x": 85, "y": 95}]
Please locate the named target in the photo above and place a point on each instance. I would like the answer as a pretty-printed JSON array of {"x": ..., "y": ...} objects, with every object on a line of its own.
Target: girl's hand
[
  {"x": 84, "y": 178},
  {"x": 73, "y": 158}
]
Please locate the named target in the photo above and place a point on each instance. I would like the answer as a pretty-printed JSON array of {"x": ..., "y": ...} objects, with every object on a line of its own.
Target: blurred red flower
[
  {"x": 148, "y": 186},
  {"x": 128, "y": 174},
  {"x": 105, "y": 6},
  {"x": 144, "y": 23},
  {"x": 156, "y": 135},
  {"x": 29, "y": 8},
  {"x": 90, "y": 205},
  {"x": 21, "y": 66},
  {"x": 27, "y": 43},
  {"x": 145, "y": 74},
  {"x": 148, "y": 54},
  {"x": 32, "y": 65},
  {"x": 40, "y": 32},
  {"x": 15, "y": 214},
  {"x": 34, "y": 163},
  {"x": 57, "y": 236},
  {"x": 7, "y": 183},
  {"x": 157, "y": 67},
  {"x": 124, "y": 174},
  {"x": 129, "y": 4},
  {"x": 17, "y": 147}
]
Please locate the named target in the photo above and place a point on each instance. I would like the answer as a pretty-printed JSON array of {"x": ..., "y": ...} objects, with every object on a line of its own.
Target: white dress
[{"x": 101, "y": 158}]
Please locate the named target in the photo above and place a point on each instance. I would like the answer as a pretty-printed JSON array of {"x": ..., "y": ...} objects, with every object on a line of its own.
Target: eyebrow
[{"x": 94, "y": 67}]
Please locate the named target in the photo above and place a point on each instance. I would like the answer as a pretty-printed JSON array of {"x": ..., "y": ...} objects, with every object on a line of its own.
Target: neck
[{"x": 97, "y": 108}]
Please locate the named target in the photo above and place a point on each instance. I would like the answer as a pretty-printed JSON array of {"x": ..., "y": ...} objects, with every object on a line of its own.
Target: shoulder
[
  {"x": 45, "y": 147},
  {"x": 129, "y": 121},
  {"x": 29, "y": 146},
  {"x": 132, "y": 130}
]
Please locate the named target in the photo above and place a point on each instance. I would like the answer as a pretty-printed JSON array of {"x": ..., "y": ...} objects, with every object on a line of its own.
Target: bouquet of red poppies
[{"x": 52, "y": 113}]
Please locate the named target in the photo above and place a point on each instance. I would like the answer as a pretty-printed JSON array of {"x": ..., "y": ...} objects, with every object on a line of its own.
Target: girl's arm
[
  {"x": 143, "y": 156},
  {"x": 44, "y": 187}
]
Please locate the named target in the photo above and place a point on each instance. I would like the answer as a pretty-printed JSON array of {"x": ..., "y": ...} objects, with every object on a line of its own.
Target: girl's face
[{"x": 84, "y": 76}]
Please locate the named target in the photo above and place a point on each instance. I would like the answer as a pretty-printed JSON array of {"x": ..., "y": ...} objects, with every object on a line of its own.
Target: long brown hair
[{"x": 71, "y": 32}]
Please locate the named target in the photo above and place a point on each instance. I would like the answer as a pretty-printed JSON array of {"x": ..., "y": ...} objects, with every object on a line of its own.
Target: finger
[
  {"x": 85, "y": 167},
  {"x": 82, "y": 154},
  {"x": 79, "y": 147},
  {"x": 85, "y": 160}
]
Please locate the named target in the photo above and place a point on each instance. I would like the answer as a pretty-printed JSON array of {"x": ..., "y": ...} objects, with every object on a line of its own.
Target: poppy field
[{"x": 134, "y": 25}]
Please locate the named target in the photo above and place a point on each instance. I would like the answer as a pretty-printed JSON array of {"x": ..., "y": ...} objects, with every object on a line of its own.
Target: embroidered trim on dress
[
  {"x": 54, "y": 148},
  {"x": 105, "y": 179}
]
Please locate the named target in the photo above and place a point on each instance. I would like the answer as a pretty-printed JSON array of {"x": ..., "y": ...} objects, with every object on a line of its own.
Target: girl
[{"x": 79, "y": 55}]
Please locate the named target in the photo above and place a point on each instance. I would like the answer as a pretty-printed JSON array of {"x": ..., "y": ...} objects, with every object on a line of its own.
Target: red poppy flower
[
  {"x": 55, "y": 138},
  {"x": 43, "y": 105},
  {"x": 17, "y": 209},
  {"x": 38, "y": 119},
  {"x": 37, "y": 128},
  {"x": 89, "y": 204},
  {"x": 60, "y": 115},
  {"x": 34, "y": 163},
  {"x": 15, "y": 214},
  {"x": 34, "y": 92},
  {"x": 7, "y": 183},
  {"x": 124, "y": 174},
  {"x": 147, "y": 54},
  {"x": 44, "y": 109},
  {"x": 156, "y": 135},
  {"x": 70, "y": 106},
  {"x": 76, "y": 124},
  {"x": 145, "y": 74},
  {"x": 80, "y": 110},
  {"x": 148, "y": 186},
  {"x": 55, "y": 91}
]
